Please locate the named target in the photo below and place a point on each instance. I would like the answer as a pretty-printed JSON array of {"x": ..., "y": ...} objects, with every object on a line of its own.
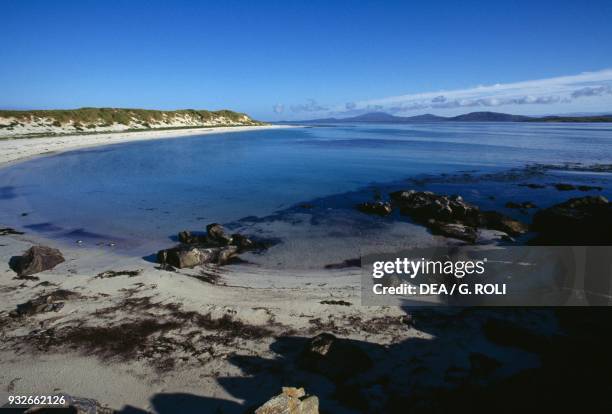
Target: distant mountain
[
  {"x": 374, "y": 117},
  {"x": 383, "y": 117},
  {"x": 489, "y": 117}
]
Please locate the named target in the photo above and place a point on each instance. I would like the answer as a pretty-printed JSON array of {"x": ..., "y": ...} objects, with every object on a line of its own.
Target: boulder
[
  {"x": 226, "y": 254},
  {"x": 242, "y": 242},
  {"x": 497, "y": 221},
  {"x": 425, "y": 205},
  {"x": 216, "y": 235},
  {"x": 379, "y": 208},
  {"x": 189, "y": 256},
  {"x": 36, "y": 259},
  {"x": 185, "y": 256},
  {"x": 451, "y": 216},
  {"x": 187, "y": 238},
  {"x": 456, "y": 231},
  {"x": 337, "y": 359},
  {"x": 583, "y": 220},
  {"x": 290, "y": 401}
]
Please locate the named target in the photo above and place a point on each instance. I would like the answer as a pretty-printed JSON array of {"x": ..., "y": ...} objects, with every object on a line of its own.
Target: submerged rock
[
  {"x": 523, "y": 205},
  {"x": 377, "y": 207},
  {"x": 564, "y": 187},
  {"x": 290, "y": 401},
  {"x": 533, "y": 186},
  {"x": 335, "y": 358},
  {"x": 583, "y": 220},
  {"x": 36, "y": 259}
]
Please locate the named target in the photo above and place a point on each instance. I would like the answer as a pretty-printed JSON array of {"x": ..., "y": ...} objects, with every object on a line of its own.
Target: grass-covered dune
[{"x": 90, "y": 120}]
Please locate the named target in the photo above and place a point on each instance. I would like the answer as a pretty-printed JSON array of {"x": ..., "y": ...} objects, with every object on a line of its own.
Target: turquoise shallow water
[{"x": 150, "y": 190}]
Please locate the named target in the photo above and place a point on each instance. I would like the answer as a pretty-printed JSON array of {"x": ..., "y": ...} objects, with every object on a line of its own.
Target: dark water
[{"x": 150, "y": 190}]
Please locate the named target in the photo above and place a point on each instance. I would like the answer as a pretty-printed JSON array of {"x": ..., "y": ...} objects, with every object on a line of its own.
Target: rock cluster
[
  {"x": 36, "y": 259},
  {"x": 583, "y": 220},
  {"x": 290, "y": 401},
  {"x": 216, "y": 247},
  {"x": 451, "y": 216}
]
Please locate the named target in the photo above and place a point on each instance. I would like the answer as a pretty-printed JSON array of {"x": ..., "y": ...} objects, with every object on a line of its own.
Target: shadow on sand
[{"x": 481, "y": 360}]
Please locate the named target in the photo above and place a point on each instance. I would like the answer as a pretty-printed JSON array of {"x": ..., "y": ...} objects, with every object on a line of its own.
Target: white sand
[
  {"x": 191, "y": 368},
  {"x": 283, "y": 303},
  {"x": 20, "y": 148}
]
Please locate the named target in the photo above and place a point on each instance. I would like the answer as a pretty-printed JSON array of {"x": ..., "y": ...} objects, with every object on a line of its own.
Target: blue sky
[{"x": 299, "y": 60}]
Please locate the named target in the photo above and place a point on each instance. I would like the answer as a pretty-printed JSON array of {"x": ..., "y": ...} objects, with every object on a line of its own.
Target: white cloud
[
  {"x": 557, "y": 93},
  {"x": 310, "y": 106}
]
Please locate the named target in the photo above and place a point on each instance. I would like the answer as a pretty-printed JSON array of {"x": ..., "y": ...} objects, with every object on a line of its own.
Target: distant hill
[
  {"x": 489, "y": 117},
  {"x": 383, "y": 117},
  {"x": 590, "y": 118},
  {"x": 89, "y": 120}
]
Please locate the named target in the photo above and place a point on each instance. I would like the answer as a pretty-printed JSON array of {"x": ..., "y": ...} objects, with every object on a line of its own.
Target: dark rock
[
  {"x": 226, "y": 254},
  {"x": 564, "y": 187},
  {"x": 189, "y": 256},
  {"x": 456, "y": 231},
  {"x": 337, "y": 359},
  {"x": 532, "y": 186},
  {"x": 36, "y": 259},
  {"x": 497, "y": 221},
  {"x": 451, "y": 216},
  {"x": 377, "y": 207},
  {"x": 242, "y": 242},
  {"x": 7, "y": 230},
  {"x": 186, "y": 256},
  {"x": 589, "y": 188},
  {"x": 526, "y": 205},
  {"x": 216, "y": 235},
  {"x": 187, "y": 238},
  {"x": 584, "y": 220},
  {"x": 425, "y": 205}
]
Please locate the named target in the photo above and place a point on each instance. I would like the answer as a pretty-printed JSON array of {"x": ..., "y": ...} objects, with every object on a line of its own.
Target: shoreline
[
  {"x": 15, "y": 150},
  {"x": 137, "y": 337}
]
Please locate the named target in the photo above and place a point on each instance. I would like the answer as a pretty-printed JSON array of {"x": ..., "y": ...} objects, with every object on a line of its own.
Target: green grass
[{"x": 123, "y": 116}]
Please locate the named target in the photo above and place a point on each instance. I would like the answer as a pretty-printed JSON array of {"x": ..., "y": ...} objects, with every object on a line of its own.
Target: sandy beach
[
  {"x": 138, "y": 337},
  {"x": 200, "y": 361},
  {"x": 15, "y": 149}
]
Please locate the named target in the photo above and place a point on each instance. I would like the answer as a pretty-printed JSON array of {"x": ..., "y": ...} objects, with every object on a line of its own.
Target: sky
[{"x": 309, "y": 59}]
